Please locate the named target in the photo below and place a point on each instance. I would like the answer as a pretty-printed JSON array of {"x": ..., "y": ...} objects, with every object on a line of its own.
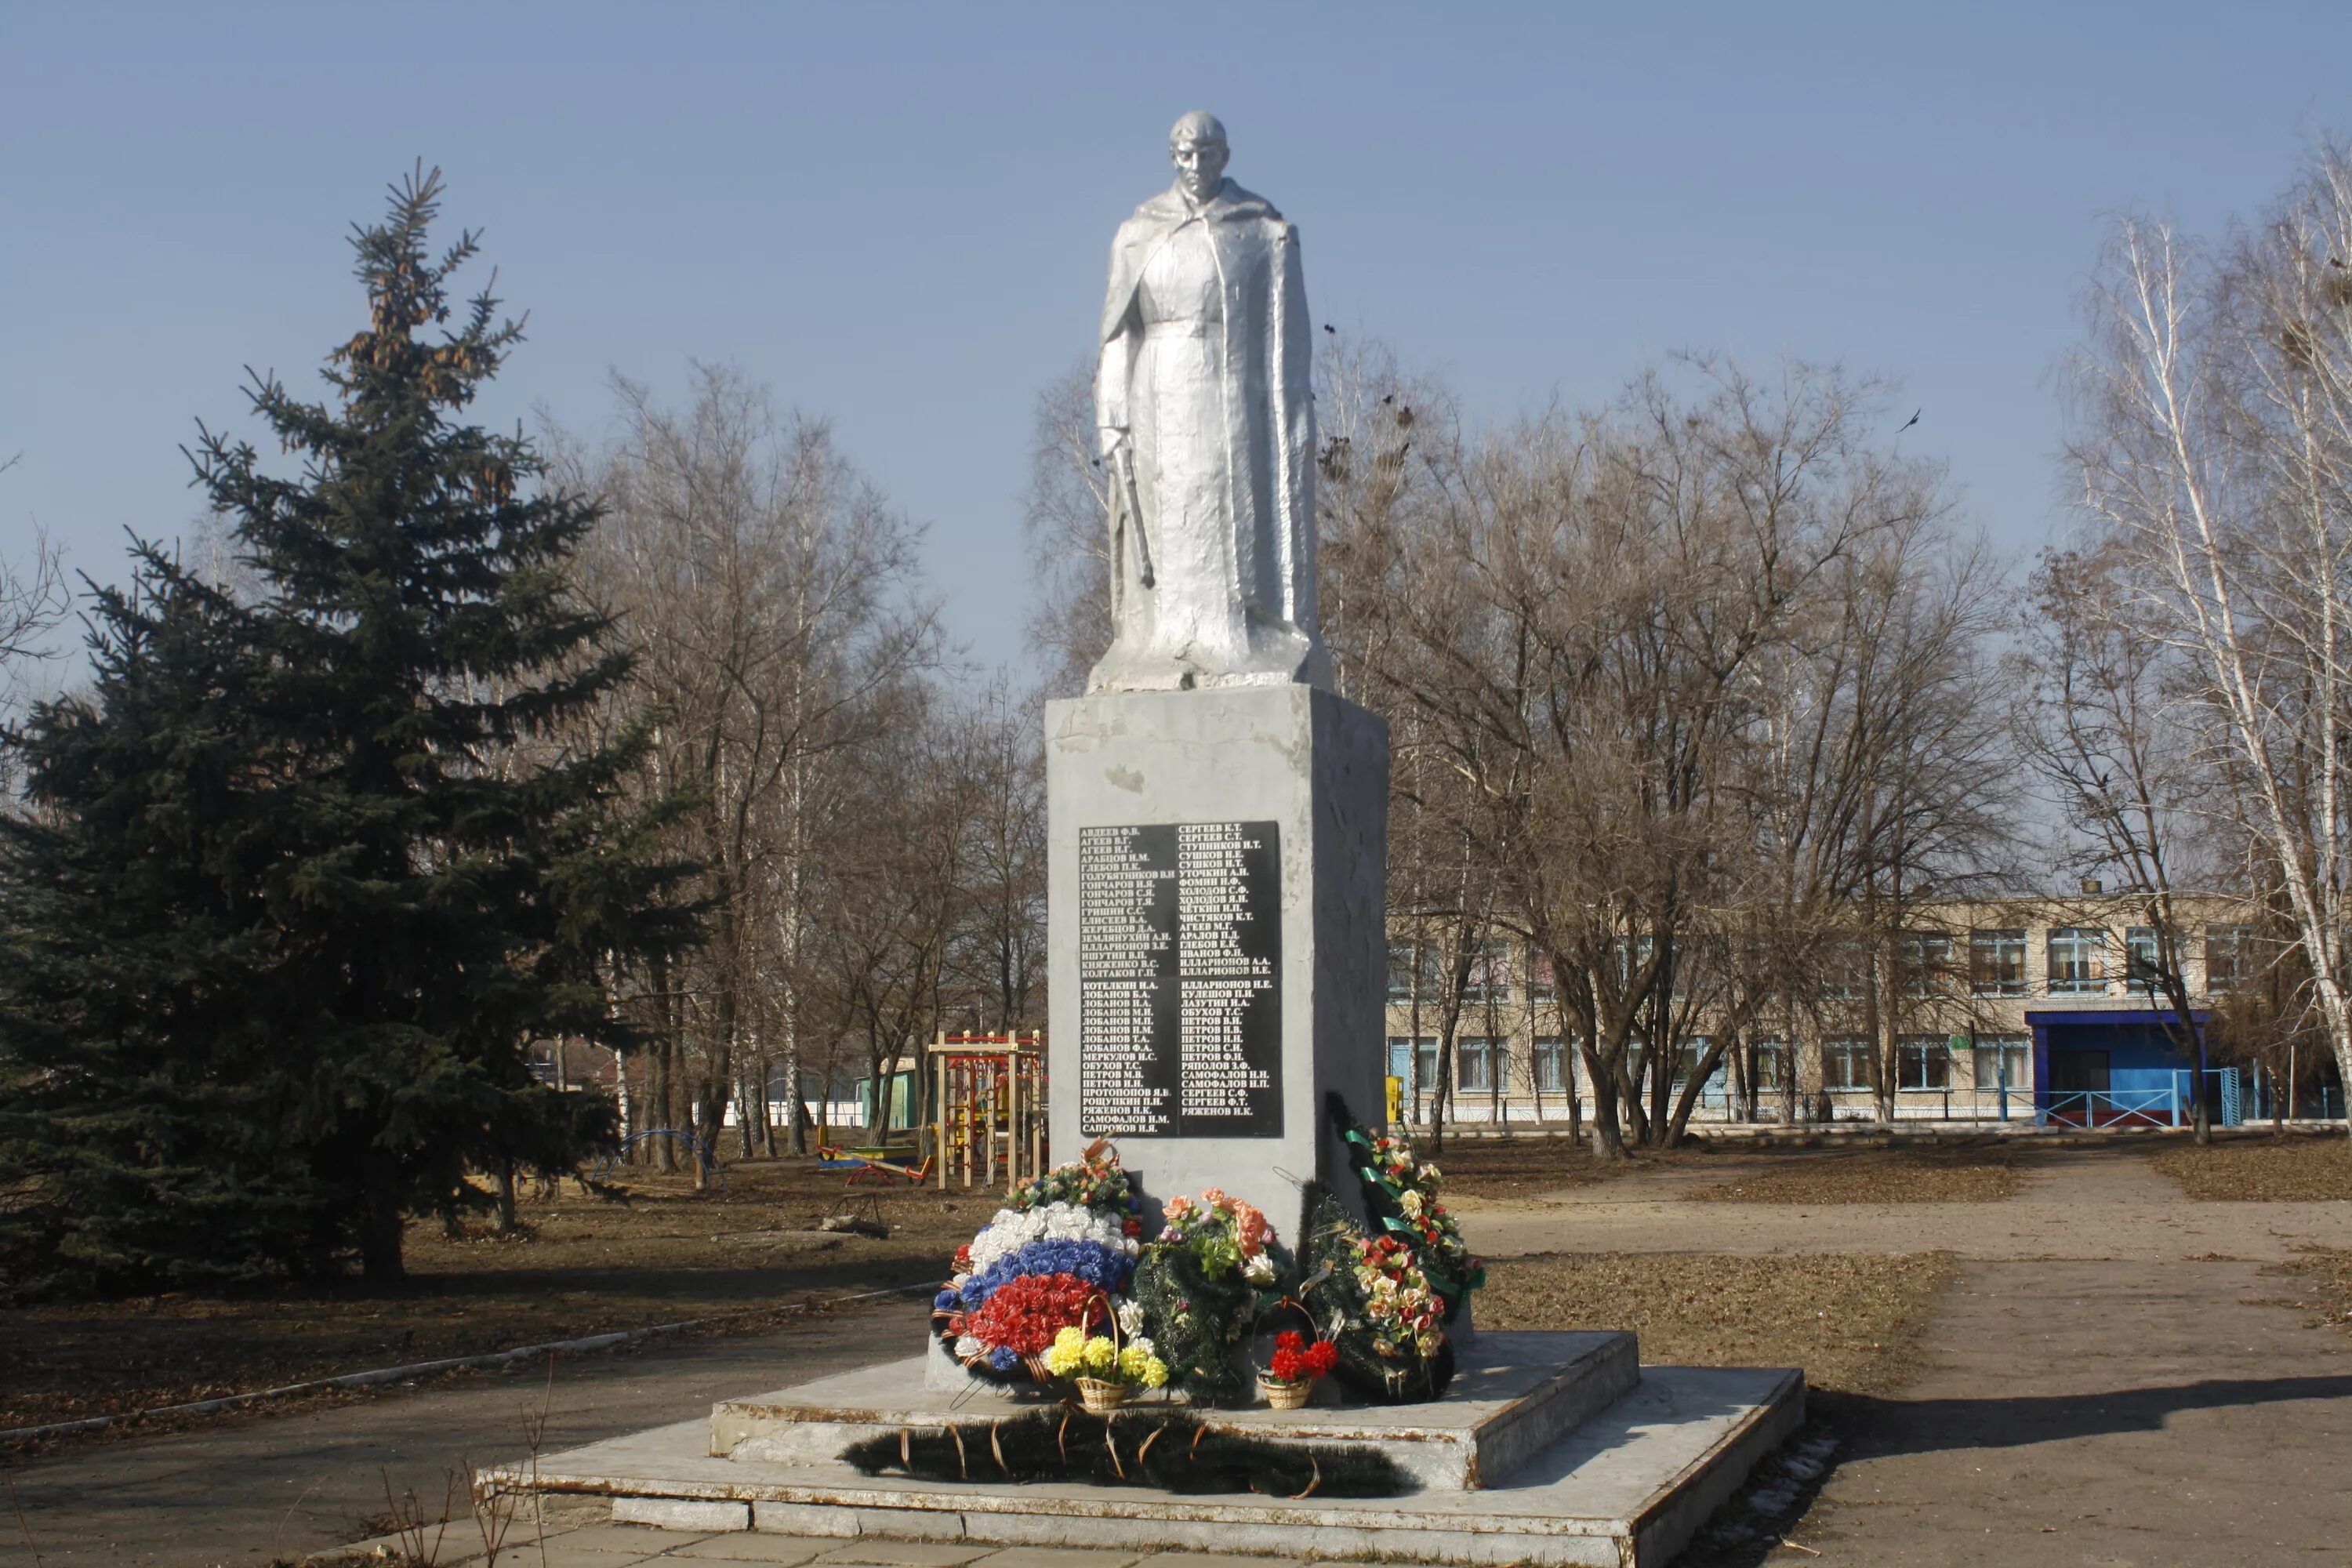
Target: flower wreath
[
  {"x": 1400, "y": 1195},
  {"x": 1048, "y": 1263}
]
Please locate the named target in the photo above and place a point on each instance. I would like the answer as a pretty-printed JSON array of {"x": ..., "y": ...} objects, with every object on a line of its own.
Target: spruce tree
[{"x": 414, "y": 861}]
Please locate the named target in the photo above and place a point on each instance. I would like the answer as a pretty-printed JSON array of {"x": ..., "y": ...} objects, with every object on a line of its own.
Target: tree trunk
[
  {"x": 1607, "y": 1143},
  {"x": 506, "y": 1221},
  {"x": 380, "y": 1227}
]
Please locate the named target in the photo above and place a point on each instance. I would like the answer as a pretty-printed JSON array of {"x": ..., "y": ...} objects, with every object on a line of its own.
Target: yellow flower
[
  {"x": 1131, "y": 1362},
  {"x": 1155, "y": 1372},
  {"x": 1067, "y": 1354},
  {"x": 1101, "y": 1355}
]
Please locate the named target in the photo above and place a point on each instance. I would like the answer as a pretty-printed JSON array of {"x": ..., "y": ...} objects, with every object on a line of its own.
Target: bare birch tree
[{"x": 2214, "y": 453}]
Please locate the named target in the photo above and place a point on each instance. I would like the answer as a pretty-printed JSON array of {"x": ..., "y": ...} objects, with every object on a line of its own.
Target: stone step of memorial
[
  {"x": 1628, "y": 1488},
  {"x": 1512, "y": 1395}
]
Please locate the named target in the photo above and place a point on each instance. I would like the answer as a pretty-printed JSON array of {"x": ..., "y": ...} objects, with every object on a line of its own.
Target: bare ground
[
  {"x": 2257, "y": 1167},
  {"x": 667, "y": 1254}
]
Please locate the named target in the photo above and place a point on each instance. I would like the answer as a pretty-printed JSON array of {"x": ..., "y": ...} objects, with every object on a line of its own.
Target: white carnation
[
  {"x": 967, "y": 1347},
  {"x": 1012, "y": 1230},
  {"x": 1130, "y": 1319},
  {"x": 1259, "y": 1270}
]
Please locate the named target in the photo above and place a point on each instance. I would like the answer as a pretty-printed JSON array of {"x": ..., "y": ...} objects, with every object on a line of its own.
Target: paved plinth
[
  {"x": 1515, "y": 1395},
  {"x": 1626, "y": 1484}
]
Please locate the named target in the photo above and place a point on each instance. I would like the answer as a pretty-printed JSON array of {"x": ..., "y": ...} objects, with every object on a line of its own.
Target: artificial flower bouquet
[
  {"x": 1223, "y": 1231},
  {"x": 1094, "y": 1180},
  {"x": 1414, "y": 1183},
  {"x": 1399, "y": 1191},
  {"x": 1401, "y": 1307},
  {"x": 1039, "y": 1268},
  {"x": 1215, "y": 1267},
  {"x": 1104, "y": 1366},
  {"x": 1288, "y": 1379}
]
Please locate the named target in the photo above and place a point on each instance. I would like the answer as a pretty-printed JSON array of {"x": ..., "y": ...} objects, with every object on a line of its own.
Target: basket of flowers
[
  {"x": 1107, "y": 1367},
  {"x": 1288, "y": 1381}
]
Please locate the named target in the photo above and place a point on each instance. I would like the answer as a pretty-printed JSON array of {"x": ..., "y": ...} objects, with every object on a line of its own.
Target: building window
[
  {"x": 1687, "y": 1058},
  {"x": 1413, "y": 1060},
  {"x": 1771, "y": 1064},
  {"x": 1415, "y": 968},
  {"x": 2144, "y": 959},
  {"x": 1843, "y": 968},
  {"x": 2003, "y": 1059},
  {"x": 1925, "y": 959},
  {"x": 1490, "y": 972},
  {"x": 1923, "y": 1062},
  {"x": 1552, "y": 1065},
  {"x": 1997, "y": 962},
  {"x": 2229, "y": 959},
  {"x": 1541, "y": 987},
  {"x": 1474, "y": 1063},
  {"x": 2078, "y": 961},
  {"x": 1845, "y": 1064}
]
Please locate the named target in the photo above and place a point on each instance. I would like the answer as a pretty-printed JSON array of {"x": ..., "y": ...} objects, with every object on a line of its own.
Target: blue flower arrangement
[{"x": 1106, "y": 1268}]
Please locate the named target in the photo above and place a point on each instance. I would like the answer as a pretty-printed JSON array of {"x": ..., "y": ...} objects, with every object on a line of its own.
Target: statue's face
[{"x": 1200, "y": 165}]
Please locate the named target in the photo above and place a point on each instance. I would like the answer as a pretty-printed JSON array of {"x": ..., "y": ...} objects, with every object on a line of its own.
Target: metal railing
[{"x": 2111, "y": 1108}]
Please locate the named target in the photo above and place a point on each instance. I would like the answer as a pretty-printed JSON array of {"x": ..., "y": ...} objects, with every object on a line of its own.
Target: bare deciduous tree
[{"x": 2214, "y": 455}]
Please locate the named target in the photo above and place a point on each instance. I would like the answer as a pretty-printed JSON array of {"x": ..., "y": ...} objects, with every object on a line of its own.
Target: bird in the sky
[
  {"x": 1910, "y": 422},
  {"x": 1330, "y": 327}
]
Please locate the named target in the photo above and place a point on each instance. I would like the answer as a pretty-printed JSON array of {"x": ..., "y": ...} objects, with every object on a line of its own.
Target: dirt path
[
  {"x": 2078, "y": 1202},
  {"x": 247, "y": 1490}
]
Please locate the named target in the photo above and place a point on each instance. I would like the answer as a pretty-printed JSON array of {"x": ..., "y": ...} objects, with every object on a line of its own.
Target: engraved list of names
[{"x": 1180, "y": 991}]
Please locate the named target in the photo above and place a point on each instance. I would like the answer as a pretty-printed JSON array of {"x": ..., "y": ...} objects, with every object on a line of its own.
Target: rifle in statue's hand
[{"x": 1131, "y": 502}]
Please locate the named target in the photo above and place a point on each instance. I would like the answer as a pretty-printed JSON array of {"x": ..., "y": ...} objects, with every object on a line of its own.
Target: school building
[{"x": 2032, "y": 1009}]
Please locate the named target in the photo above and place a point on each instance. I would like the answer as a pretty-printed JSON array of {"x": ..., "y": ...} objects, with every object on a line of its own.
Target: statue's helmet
[{"x": 1198, "y": 126}]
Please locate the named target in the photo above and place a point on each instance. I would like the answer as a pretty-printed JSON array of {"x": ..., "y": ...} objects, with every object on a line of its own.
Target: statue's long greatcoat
[{"x": 1267, "y": 417}]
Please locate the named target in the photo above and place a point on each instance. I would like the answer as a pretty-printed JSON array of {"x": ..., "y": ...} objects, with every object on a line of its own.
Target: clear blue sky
[{"x": 897, "y": 215}]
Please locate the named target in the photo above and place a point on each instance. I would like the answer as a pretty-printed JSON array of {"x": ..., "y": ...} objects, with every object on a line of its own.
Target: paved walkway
[
  {"x": 248, "y": 1490},
  {"x": 2101, "y": 1412}
]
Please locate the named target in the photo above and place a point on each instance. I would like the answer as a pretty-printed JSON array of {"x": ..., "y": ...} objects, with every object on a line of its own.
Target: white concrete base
[
  {"x": 1626, "y": 1489},
  {"x": 1512, "y": 1396},
  {"x": 698, "y": 1515}
]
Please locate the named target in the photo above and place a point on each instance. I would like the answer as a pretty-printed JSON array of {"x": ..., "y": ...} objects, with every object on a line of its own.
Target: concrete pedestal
[
  {"x": 1548, "y": 1448},
  {"x": 1218, "y": 953}
]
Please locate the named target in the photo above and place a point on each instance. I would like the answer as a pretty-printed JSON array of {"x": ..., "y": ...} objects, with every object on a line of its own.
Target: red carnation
[
  {"x": 1321, "y": 1357},
  {"x": 1286, "y": 1366},
  {"x": 1290, "y": 1340},
  {"x": 1026, "y": 1313},
  {"x": 1130, "y": 1226}
]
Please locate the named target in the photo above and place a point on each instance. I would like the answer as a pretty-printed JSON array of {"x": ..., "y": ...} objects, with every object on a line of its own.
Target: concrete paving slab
[
  {"x": 905, "y": 1553},
  {"x": 1216, "y": 1560},
  {"x": 1059, "y": 1557},
  {"x": 752, "y": 1546},
  {"x": 626, "y": 1540}
]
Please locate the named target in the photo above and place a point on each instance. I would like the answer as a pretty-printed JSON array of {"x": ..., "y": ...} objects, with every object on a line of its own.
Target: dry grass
[
  {"x": 667, "y": 1254},
  {"x": 2298, "y": 1168},
  {"x": 1907, "y": 1173},
  {"x": 1849, "y": 1320},
  {"x": 2328, "y": 1277},
  {"x": 1523, "y": 1167}
]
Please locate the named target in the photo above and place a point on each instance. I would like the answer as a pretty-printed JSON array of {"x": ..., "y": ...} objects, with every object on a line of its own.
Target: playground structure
[{"x": 990, "y": 1106}]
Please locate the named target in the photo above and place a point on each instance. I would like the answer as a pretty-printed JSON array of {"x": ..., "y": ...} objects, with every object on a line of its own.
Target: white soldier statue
[{"x": 1208, "y": 437}]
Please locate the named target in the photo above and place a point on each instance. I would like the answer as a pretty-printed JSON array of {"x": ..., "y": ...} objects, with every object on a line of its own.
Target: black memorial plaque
[{"x": 1180, "y": 986}]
